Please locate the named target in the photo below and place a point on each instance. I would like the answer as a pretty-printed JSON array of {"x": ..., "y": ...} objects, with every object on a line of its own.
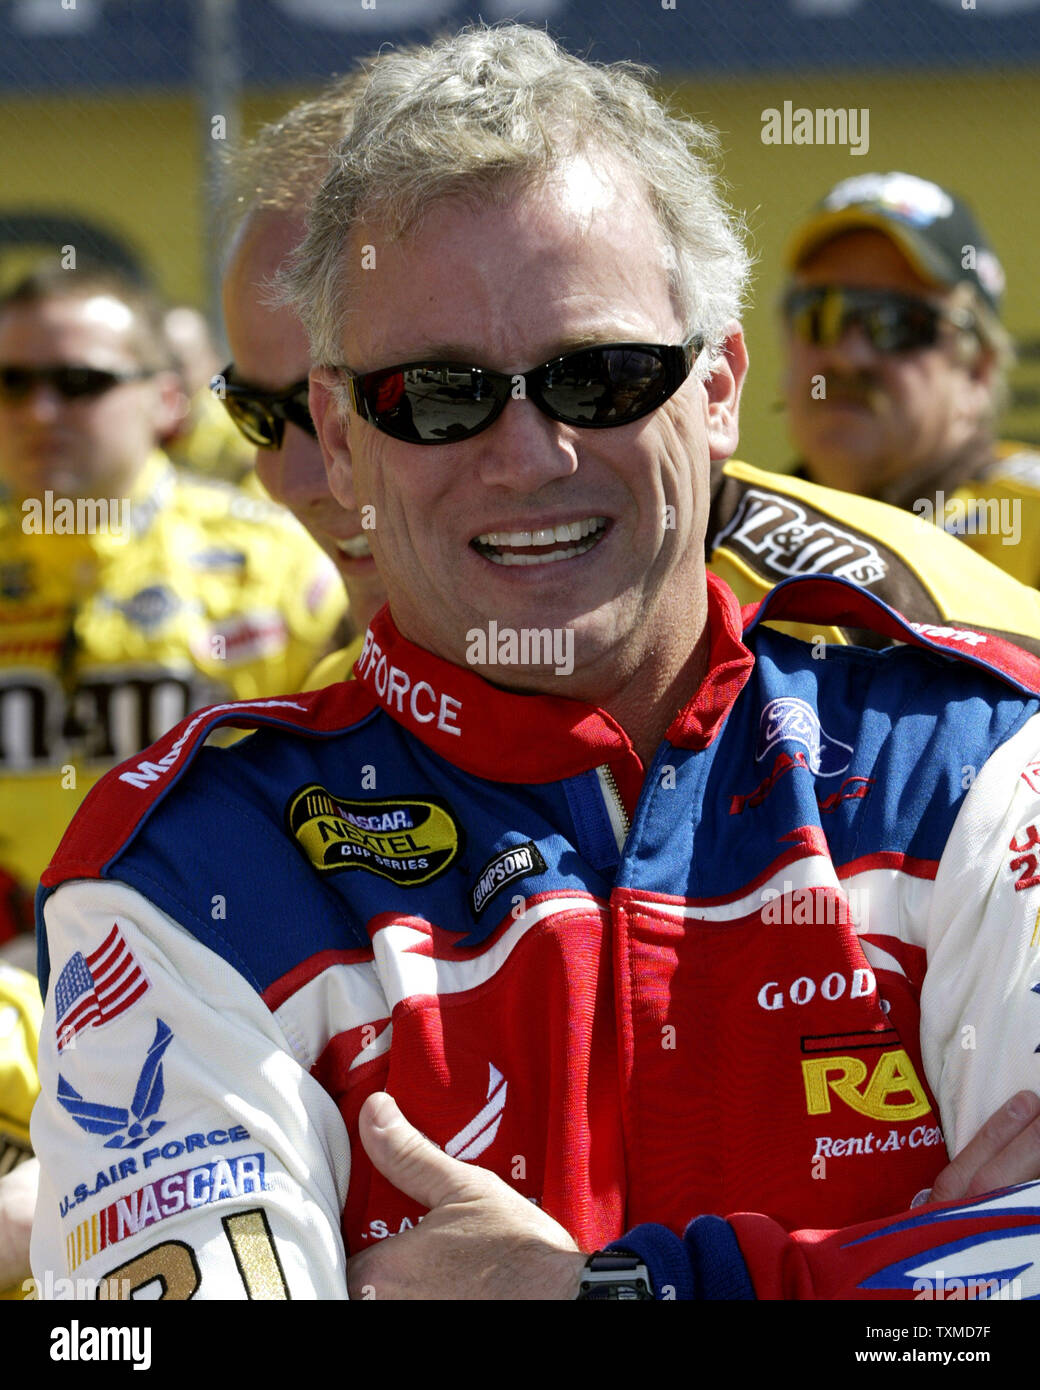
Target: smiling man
[
  {"x": 560, "y": 917},
  {"x": 762, "y": 527},
  {"x": 480, "y": 529}
]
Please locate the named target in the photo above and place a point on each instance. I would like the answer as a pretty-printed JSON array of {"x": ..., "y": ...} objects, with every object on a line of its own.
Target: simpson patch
[{"x": 518, "y": 861}]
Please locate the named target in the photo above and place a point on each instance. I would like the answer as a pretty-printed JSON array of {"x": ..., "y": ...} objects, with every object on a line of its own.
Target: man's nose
[
  {"x": 852, "y": 349},
  {"x": 523, "y": 450},
  {"x": 41, "y": 402},
  {"x": 299, "y": 469}
]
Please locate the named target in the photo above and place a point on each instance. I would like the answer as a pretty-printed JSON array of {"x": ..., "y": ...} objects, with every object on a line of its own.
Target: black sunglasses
[
  {"x": 262, "y": 415},
  {"x": 593, "y": 387},
  {"x": 71, "y": 383},
  {"x": 891, "y": 322}
]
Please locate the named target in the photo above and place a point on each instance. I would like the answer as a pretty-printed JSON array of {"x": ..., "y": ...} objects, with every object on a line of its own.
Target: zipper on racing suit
[{"x": 619, "y": 818}]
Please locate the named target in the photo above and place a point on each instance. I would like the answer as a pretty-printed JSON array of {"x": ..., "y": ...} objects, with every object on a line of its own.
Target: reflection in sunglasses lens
[
  {"x": 597, "y": 387},
  {"x": 891, "y": 322}
]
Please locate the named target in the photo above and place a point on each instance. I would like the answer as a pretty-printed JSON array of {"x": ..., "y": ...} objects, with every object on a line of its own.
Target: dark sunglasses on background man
[
  {"x": 71, "y": 383},
  {"x": 593, "y": 388},
  {"x": 891, "y": 322},
  {"x": 262, "y": 415}
]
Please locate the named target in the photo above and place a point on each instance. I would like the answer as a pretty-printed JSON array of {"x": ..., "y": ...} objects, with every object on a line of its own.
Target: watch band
[{"x": 615, "y": 1274}]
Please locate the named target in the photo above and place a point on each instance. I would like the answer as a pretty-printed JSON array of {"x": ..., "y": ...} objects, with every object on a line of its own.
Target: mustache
[{"x": 861, "y": 389}]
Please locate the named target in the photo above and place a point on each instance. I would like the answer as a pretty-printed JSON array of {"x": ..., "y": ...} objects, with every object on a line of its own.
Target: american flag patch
[{"x": 93, "y": 990}]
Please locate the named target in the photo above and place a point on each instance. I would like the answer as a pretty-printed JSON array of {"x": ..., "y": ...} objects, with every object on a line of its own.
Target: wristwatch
[{"x": 615, "y": 1274}]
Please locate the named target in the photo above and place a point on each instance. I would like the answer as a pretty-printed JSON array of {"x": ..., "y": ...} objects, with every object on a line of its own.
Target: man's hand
[
  {"x": 17, "y": 1204},
  {"x": 480, "y": 1239},
  {"x": 1005, "y": 1151}
]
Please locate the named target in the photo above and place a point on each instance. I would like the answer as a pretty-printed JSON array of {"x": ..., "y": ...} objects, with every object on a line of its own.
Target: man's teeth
[
  {"x": 586, "y": 533},
  {"x": 356, "y": 547},
  {"x": 566, "y": 531}
]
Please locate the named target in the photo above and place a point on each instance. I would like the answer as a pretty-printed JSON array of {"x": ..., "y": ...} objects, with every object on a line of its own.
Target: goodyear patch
[
  {"x": 518, "y": 861},
  {"x": 408, "y": 840}
]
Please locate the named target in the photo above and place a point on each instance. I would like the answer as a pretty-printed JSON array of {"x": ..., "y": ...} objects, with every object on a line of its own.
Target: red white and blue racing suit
[{"x": 779, "y": 972}]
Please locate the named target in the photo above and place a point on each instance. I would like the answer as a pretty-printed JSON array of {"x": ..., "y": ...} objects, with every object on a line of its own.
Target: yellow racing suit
[
  {"x": 998, "y": 513},
  {"x": 21, "y": 1010},
  {"x": 190, "y": 592},
  {"x": 765, "y": 527}
]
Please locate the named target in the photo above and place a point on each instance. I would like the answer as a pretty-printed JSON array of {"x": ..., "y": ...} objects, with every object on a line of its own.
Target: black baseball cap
[{"x": 934, "y": 229}]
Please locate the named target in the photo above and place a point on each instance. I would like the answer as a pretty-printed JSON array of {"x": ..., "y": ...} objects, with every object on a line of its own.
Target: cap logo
[
  {"x": 916, "y": 200},
  {"x": 990, "y": 273}
]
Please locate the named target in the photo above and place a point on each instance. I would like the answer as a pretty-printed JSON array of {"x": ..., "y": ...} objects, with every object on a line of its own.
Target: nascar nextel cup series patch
[{"x": 406, "y": 840}]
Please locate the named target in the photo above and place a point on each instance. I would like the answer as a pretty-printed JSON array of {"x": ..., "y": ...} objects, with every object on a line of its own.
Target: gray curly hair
[{"x": 493, "y": 108}]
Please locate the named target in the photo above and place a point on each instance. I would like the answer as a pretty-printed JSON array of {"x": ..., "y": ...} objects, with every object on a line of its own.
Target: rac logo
[{"x": 844, "y": 1077}]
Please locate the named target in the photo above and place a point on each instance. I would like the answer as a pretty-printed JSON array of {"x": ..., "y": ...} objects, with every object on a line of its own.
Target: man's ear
[
  {"x": 984, "y": 368},
  {"x": 976, "y": 404},
  {"x": 723, "y": 388},
  {"x": 331, "y": 417}
]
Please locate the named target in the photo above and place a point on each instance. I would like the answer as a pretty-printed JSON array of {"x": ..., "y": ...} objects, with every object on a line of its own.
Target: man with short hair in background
[
  {"x": 273, "y": 178},
  {"x": 130, "y": 593},
  {"x": 204, "y": 439},
  {"x": 897, "y": 364}
]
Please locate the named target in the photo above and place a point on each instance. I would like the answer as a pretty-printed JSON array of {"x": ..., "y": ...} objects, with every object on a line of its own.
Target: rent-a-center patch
[{"x": 408, "y": 840}]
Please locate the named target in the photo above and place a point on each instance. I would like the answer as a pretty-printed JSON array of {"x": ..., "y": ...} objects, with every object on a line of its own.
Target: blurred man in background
[
  {"x": 897, "y": 364},
  {"x": 275, "y": 177},
  {"x": 204, "y": 439},
  {"x": 130, "y": 594}
]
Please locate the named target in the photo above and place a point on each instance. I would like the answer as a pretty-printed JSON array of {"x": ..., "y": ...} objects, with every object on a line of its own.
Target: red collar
[
  {"x": 508, "y": 737},
  {"x": 729, "y": 666}
]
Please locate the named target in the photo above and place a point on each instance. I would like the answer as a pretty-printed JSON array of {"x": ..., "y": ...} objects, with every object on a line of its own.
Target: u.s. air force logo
[{"x": 407, "y": 840}]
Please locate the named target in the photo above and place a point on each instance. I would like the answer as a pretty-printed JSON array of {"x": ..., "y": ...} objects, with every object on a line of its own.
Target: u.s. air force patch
[{"x": 407, "y": 840}]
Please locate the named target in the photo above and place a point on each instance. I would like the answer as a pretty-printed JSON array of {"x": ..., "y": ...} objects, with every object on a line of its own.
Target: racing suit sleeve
[
  {"x": 979, "y": 924},
  {"x": 983, "y": 1247},
  {"x": 186, "y": 1152}
]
